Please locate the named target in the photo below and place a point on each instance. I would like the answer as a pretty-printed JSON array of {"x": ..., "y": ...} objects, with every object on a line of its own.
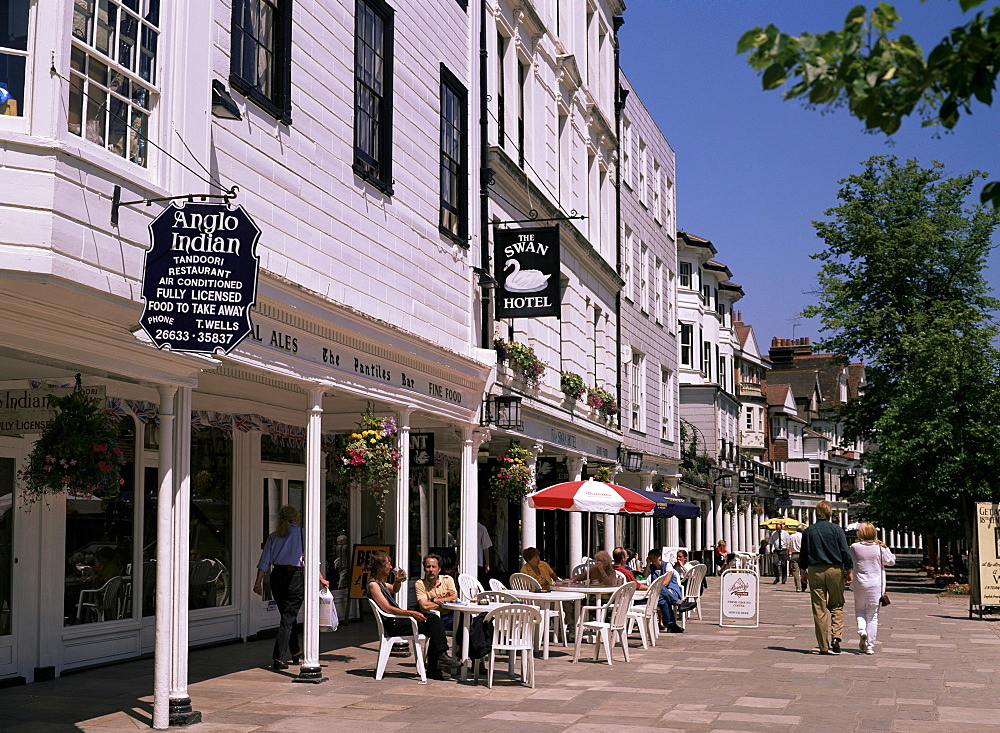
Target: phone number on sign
[{"x": 205, "y": 338}]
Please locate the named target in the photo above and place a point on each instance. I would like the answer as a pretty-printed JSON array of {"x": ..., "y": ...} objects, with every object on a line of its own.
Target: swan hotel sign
[{"x": 526, "y": 264}]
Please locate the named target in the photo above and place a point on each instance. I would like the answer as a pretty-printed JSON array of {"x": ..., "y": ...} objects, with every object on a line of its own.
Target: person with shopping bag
[
  {"x": 284, "y": 556},
  {"x": 871, "y": 557}
]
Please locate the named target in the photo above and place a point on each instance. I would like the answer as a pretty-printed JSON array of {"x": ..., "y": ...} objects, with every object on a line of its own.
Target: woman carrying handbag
[{"x": 871, "y": 557}]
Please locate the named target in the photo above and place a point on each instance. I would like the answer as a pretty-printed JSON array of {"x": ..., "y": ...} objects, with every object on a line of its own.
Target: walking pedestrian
[
  {"x": 871, "y": 557},
  {"x": 779, "y": 551},
  {"x": 825, "y": 556},
  {"x": 794, "y": 549},
  {"x": 284, "y": 556}
]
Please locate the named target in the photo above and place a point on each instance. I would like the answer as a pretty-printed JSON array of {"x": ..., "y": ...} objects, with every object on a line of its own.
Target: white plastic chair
[
  {"x": 645, "y": 616},
  {"x": 692, "y": 590},
  {"x": 523, "y": 581},
  {"x": 514, "y": 629},
  {"x": 497, "y": 585},
  {"x": 621, "y": 576},
  {"x": 386, "y": 642},
  {"x": 585, "y": 565},
  {"x": 468, "y": 586},
  {"x": 104, "y": 602},
  {"x": 608, "y": 632},
  {"x": 496, "y": 596}
]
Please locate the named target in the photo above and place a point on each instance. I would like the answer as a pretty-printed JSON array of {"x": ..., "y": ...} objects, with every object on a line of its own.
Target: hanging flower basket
[
  {"x": 572, "y": 385},
  {"x": 368, "y": 457},
  {"x": 744, "y": 506},
  {"x": 521, "y": 358},
  {"x": 729, "y": 506},
  {"x": 77, "y": 452},
  {"x": 603, "y": 473},
  {"x": 512, "y": 478}
]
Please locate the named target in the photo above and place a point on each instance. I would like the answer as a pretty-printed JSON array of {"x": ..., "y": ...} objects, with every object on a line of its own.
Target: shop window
[
  {"x": 150, "y": 493},
  {"x": 260, "y": 65},
  {"x": 112, "y": 88},
  {"x": 7, "y": 472},
  {"x": 99, "y": 532},
  {"x": 13, "y": 56},
  {"x": 271, "y": 451},
  {"x": 211, "y": 519}
]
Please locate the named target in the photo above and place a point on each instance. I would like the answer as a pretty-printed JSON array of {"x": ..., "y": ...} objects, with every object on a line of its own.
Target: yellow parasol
[{"x": 791, "y": 525}]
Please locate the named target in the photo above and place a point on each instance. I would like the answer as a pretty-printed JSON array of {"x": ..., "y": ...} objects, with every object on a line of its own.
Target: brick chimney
[{"x": 783, "y": 351}]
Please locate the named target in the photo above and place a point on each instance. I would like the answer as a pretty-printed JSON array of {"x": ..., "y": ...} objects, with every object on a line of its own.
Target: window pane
[
  {"x": 117, "y": 127},
  {"x": 99, "y": 532},
  {"x": 12, "y": 80},
  {"x": 137, "y": 137},
  {"x": 107, "y": 17},
  {"x": 211, "y": 519},
  {"x": 83, "y": 12},
  {"x": 147, "y": 58},
  {"x": 150, "y": 491},
  {"x": 7, "y": 473},
  {"x": 96, "y": 99},
  {"x": 128, "y": 40}
]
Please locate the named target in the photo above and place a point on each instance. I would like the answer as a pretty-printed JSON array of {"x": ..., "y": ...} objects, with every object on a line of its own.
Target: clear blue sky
[{"x": 753, "y": 170}]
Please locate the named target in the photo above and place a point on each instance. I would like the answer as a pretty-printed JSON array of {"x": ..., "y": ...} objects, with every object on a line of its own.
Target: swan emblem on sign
[{"x": 524, "y": 281}]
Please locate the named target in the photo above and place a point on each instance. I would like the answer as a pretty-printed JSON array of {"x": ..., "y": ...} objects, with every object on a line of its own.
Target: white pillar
[
  {"x": 472, "y": 437},
  {"x": 164, "y": 560},
  {"x": 529, "y": 520},
  {"x": 708, "y": 520},
  {"x": 741, "y": 528},
  {"x": 609, "y": 532},
  {"x": 402, "y": 536},
  {"x": 645, "y": 523},
  {"x": 698, "y": 541},
  {"x": 310, "y": 670},
  {"x": 574, "y": 466},
  {"x": 180, "y": 703}
]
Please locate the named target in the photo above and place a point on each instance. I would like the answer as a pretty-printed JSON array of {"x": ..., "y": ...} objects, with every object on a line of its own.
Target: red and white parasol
[{"x": 591, "y": 496}]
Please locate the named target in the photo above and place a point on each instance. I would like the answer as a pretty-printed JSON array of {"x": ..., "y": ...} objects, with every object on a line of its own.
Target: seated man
[
  {"x": 619, "y": 557},
  {"x": 433, "y": 589},
  {"x": 537, "y": 568},
  {"x": 670, "y": 593}
]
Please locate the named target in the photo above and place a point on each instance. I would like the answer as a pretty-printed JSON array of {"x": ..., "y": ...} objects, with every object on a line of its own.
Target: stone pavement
[{"x": 934, "y": 670}]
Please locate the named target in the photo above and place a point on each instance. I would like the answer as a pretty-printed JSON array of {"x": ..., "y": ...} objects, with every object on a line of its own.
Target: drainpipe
[
  {"x": 486, "y": 281},
  {"x": 620, "y": 95}
]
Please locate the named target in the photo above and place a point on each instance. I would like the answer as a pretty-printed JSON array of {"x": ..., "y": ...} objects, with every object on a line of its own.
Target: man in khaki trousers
[{"x": 824, "y": 555}]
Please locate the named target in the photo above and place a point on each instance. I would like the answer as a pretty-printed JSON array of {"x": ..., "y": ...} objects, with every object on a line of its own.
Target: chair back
[
  {"x": 496, "y": 596},
  {"x": 621, "y": 604},
  {"x": 497, "y": 585},
  {"x": 694, "y": 581},
  {"x": 377, "y": 613},
  {"x": 653, "y": 595},
  {"x": 468, "y": 586},
  {"x": 621, "y": 576},
  {"x": 523, "y": 581},
  {"x": 112, "y": 597},
  {"x": 380, "y": 614},
  {"x": 582, "y": 567},
  {"x": 514, "y": 626}
]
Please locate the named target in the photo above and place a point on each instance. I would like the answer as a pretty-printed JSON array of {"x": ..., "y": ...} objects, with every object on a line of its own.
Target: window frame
[
  {"x": 687, "y": 329},
  {"x": 377, "y": 172},
  {"x": 667, "y": 417},
  {"x": 279, "y": 104},
  {"x": 685, "y": 275},
  {"x": 451, "y": 84}
]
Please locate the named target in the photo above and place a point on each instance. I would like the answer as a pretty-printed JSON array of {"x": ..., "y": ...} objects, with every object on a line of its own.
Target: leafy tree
[
  {"x": 902, "y": 286},
  {"x": 883, "y": 77}
]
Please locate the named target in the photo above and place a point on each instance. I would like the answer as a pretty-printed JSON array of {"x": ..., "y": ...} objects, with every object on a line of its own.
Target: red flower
[{"x": 100, "y": 448}]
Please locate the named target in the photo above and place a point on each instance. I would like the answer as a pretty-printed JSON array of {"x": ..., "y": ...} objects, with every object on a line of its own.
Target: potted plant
[
  {"x": 512, "y": 477},
  {"x": 603, "y": 473},
  {"x": 602, "y": 401},
  {"x": 368, "y": 457},
  {"x": 521, "y": 358},
  {"x": 77, "y": 452},
  {"x": 572, "y": 385}
]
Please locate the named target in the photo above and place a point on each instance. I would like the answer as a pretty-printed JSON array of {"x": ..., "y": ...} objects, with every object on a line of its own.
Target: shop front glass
[
  {"x": 6, "y": 544},
  {"x": 211, "y": 519},
  {"x": 98, "y": 549}
]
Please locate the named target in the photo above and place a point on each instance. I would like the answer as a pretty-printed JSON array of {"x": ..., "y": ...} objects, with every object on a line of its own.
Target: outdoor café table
[
  {"x": 467, "y": 610},
  {"x": 599, "y": 593},
  {"x": 549, "y": 599}
]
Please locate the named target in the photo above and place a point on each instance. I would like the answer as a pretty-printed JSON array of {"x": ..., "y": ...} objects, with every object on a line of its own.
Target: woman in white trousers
[{"x": 870, "y": 557}]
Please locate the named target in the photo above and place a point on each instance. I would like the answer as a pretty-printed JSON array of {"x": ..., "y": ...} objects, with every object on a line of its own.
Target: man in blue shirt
[{"x": 824, "y": 556}]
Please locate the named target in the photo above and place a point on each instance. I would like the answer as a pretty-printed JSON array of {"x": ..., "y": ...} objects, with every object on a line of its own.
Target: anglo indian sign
[
  {"x": 29, "y": 411},
  {"x": 526, "y": 268},
  {"x": 200, "y": 278}
]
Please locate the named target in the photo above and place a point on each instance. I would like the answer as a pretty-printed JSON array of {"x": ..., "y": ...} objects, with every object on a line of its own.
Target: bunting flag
[
  {"x": 246, "y": 423},
  {"x": 196, "y": 421},
  {"x": 35, "y": 384},
  {"x": 113, "y": 406},
  {"x": 145, "y": 411},
  {"x": 222, "y": 422}
]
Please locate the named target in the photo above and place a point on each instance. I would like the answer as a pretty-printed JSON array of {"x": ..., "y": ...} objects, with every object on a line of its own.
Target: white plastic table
[
  {"x": 468, "y": 610},
  {"x": 549, "y": 599}
]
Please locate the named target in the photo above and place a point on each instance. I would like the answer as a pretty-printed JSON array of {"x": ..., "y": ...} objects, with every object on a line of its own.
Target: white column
[
  {"x": 180, "y": 703},
  {"x": 698, "y": 541},
  {"x": 422, "y": 491},
  {"x": 164, "y": 561},
  {"x": 609, "y": 532},
  {"x": 402, "y": 537},
  {"x": 741, "y": 528},
  {"x": 708, "y": 513},
  {"x": 574, "y": 466},
  {"x": 310, "y": 670},
  {"x": 472, "y": 437},
  {"x": 645, "y": 523},
  {"x": 529, "y": 521}
]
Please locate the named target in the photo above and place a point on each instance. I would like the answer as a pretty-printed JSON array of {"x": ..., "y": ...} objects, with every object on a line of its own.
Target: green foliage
[
  {"x": 522, "y": 358},
  {"x": 902, "y": 285},
  {"x": 603, "y": 473},
  {"x": 881, "y": 76},
  {"x": 572, "y": 385},
  {"x": 369, "y": 457},
  {"x": 77, "y": 452},
  {"x": 512, "y": 478},
  {"x": 602, "y": 401}
]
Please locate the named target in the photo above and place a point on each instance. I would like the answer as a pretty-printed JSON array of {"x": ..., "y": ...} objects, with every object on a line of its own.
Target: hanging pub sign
[
  {"x": 200, "y": 278},
  {"x": 421, "y": 450},
  {"x": 526, "y": 264}
]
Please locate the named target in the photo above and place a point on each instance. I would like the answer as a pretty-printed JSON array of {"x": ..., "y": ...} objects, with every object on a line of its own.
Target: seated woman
[
  {"x": 381, "y": 592},
  {"x": 602, "y": 572},
  {"x": 682, "y": 565},
  {"x": 537, "y": 568},
  {"x": 723, "y": 557}
]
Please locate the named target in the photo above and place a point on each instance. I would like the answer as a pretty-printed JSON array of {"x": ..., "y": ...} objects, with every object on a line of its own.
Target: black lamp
[
  {"x": 631, "y": 460},
  {"x": 223, "y": 104},
  {"x": 504, "y": 411}
]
